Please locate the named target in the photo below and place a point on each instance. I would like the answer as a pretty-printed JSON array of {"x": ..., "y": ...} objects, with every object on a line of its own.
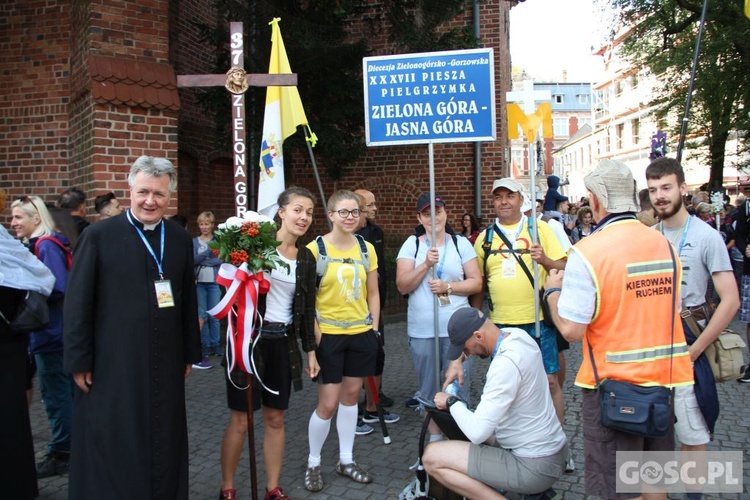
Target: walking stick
[
  {"x": 251, "y": 437},
  {"x": 376, "y": 399}
]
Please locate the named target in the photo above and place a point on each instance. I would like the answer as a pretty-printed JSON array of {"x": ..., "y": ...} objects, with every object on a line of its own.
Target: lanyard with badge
[
  {"x": 509, "y": 264},
  {"x": 163, "y": 288},
  {"x": 443, "y": 299}
]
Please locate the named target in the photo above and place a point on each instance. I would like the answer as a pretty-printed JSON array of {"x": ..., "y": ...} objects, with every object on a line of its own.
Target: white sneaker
[{"x": 570, "y": 465}]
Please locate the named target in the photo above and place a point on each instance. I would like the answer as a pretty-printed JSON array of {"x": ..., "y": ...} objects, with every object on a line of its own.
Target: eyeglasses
[
  {"x": 25, "y": 199},
  {"x": 344, "y": 213}
]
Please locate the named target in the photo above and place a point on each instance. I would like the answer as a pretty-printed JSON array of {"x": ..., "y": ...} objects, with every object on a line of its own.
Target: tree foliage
[
  {"x": 327, "y": 60},
  {"x": 663, "y": 39}
]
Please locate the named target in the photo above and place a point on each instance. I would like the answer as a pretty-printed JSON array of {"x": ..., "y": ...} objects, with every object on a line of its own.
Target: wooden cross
[{"x": 237, "y": 81}]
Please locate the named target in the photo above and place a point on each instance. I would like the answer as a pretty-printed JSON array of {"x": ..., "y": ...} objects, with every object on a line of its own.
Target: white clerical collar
[{"x": 146, "y": 227}]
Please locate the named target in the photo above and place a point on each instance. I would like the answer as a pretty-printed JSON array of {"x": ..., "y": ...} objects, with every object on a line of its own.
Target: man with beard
[
  {"x": 619, "y": 294},
  {"x": 704, "y": 257},
  {"x": 130, "y": 338},
  {"x": 517, "y": 443}
]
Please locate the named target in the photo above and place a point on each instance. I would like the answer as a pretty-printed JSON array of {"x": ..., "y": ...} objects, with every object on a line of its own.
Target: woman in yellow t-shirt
[{"x": 347, "y": 309}]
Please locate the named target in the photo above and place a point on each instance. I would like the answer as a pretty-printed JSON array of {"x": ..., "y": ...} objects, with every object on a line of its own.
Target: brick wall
[
  {"x": 109, "y": 131},
  {"x": 205, "y": 178},
  {"x": 34, "y": 43},
  {"x": 55, "y": 134}
]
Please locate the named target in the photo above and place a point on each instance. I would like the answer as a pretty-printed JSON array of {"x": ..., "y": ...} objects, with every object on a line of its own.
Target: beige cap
[
  {"x": 509, "y": 184},
  {"x": 612, "y": 182}
]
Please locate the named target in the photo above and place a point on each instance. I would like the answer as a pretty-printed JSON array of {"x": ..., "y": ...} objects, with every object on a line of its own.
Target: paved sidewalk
[{"x": 207, "y": 417}]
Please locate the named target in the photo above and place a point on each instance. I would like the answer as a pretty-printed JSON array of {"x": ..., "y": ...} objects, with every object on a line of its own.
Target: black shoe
[
  {"x": 550, "y": 494},
  {"x": 411, "y": 403},
  {"x": 54, "y": 464},
  {"x": 385, "y": 401}
]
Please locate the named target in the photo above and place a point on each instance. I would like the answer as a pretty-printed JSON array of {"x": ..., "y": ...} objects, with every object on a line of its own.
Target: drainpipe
[{"x": 477, "y": 145}]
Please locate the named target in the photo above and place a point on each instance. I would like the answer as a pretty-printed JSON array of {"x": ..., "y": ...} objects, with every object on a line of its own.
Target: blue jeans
[
  {"x": 209, "y": 295},
  {"x": 57, "y": 393}
]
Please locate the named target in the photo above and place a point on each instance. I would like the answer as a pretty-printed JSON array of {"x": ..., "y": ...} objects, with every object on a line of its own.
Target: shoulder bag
[
  {"x": 32, "y": 314},
  {"x": 725, "y": 354}
]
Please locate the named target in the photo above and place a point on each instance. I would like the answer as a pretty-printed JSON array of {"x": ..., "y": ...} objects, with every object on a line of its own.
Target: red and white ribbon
[{"x": 243, "y": 287}]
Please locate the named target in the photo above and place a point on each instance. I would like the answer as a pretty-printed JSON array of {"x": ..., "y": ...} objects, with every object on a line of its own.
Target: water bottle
[{"x": 454, "y": 388}]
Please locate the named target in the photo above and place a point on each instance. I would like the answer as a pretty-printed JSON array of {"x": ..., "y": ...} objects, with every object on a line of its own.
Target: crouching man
[{"x": 517, "y": 443}]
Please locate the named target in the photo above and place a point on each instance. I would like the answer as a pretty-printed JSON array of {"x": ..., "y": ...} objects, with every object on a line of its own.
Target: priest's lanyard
[
  {"x": 148, "y": 245},
  {"x": 442, "y": 257}
]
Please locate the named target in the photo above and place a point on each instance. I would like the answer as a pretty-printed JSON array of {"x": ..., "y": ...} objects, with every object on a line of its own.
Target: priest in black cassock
[{"x": 130, "y": 338}]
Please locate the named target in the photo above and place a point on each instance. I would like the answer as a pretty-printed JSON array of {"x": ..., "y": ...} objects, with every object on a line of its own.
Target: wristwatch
[
  {"x": 449, "y": 290},
  {"x": 451, "y": 399}
]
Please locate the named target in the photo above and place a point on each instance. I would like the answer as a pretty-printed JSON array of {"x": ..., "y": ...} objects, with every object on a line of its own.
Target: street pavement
[{"x": 208, "y": 416}]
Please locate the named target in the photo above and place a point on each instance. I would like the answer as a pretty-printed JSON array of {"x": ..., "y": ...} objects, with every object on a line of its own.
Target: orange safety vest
[{"x": 631, "y": 330}]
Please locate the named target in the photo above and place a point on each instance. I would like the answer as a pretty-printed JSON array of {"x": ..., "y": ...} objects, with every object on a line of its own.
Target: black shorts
[
  {"x": 277, "y": 375},
  {"x": 347, "y": 356}
]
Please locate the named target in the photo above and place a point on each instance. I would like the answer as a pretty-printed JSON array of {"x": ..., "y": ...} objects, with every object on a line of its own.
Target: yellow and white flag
[{"x": 284, "y": 113}]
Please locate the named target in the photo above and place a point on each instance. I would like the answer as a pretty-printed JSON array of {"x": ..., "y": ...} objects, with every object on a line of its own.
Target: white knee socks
[
  {"x": 317, "y": 432},
  {"x": 346, "y": 424}
]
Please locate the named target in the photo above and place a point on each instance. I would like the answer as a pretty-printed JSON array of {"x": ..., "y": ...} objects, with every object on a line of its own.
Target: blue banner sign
[{"x": 430, "y": 97}]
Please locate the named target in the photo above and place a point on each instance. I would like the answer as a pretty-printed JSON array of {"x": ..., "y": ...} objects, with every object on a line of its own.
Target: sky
[{"x": 549, "y": 36}]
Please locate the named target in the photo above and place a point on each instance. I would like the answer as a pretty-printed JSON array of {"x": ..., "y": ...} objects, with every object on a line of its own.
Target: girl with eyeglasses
[{"x": 347, "y": 309}]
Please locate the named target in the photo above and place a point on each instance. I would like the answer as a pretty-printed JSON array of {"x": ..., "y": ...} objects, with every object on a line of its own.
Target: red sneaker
[
  {"x": 229, "y": 494},
  {"x": 277, "y": 494}
]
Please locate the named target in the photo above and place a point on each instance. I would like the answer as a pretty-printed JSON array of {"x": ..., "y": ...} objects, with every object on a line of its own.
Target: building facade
[{"x": 91, "y": 85}]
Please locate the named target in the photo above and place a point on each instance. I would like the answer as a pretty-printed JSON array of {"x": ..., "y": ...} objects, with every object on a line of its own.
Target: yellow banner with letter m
[{"x": 530, "y": 123}]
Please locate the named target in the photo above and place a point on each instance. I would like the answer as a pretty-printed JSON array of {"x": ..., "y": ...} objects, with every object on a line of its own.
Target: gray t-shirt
[{"x": 702, "y": 254}]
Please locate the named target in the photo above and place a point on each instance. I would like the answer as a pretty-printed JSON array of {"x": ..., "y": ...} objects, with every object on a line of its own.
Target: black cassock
[{"x": 129, "y": 436}]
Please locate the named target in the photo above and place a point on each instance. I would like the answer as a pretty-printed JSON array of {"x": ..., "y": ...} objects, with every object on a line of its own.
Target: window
[
  {"x": 583, "y": 98},
  {"x": 561, "y": 127},
  {"x": 516, "y": 156},
  {"x": 619, "y": 129},
  {"x": 635, "y": 131},
  {"x": 559, "y": 98},
  {"x": 583, "y": 121}
]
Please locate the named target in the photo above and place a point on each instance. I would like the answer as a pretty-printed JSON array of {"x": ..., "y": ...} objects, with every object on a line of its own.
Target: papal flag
[
  {"x": 284, "y": 113},
  {"x": 747, "y": 8}
]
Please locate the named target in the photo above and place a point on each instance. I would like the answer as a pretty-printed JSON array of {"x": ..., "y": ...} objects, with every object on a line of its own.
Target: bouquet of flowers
[
  {"x": 247, "y": 245},
  {"x": 251, "y": 240}
]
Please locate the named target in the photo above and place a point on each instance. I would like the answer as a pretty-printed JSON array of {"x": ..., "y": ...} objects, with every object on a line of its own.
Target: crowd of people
[{"x": 128, "y": 300}]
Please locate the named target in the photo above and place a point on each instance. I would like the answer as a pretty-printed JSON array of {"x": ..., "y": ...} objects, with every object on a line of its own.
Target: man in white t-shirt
[
  {"x": 517, "y": 443},
  {"x": 704, "y": 257}
]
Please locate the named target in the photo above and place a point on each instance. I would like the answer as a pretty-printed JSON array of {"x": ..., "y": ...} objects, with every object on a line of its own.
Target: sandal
[
  {"x": 355, "y": 472},
  {"x": 313, "y": 479}
]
